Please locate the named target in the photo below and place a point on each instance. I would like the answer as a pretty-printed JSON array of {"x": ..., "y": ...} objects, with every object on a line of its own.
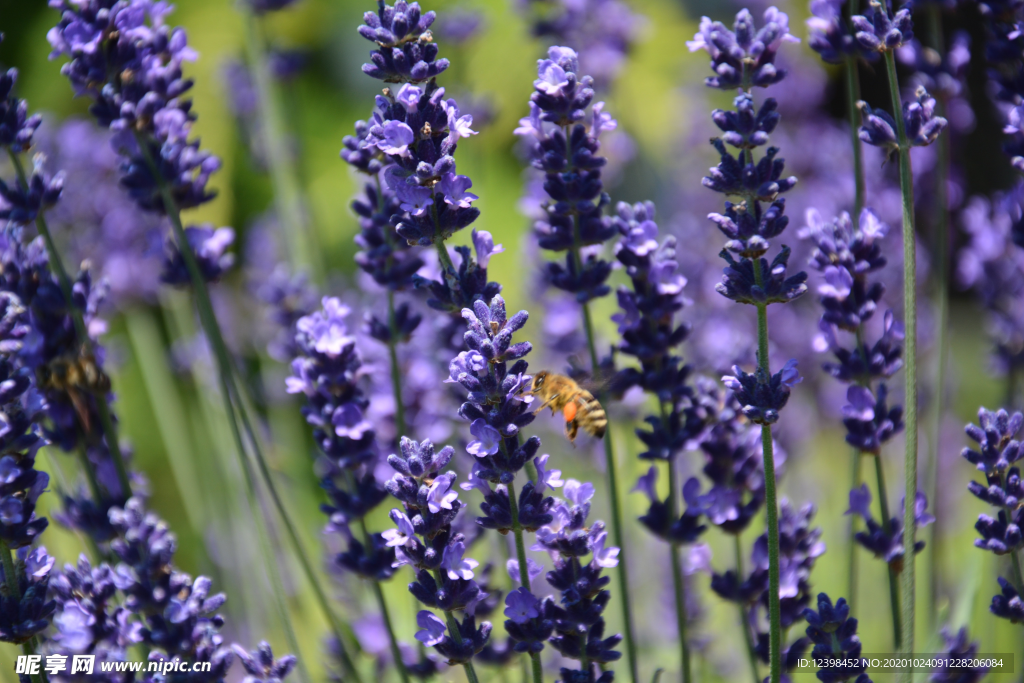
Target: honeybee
[
  {"x": 578, "y": 406},
  {"x": 75, "y": 375}
]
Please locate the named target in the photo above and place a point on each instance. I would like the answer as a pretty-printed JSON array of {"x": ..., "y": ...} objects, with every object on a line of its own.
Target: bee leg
[
  {"x": 547, "y": 404},
  {"x": 571, "y": 429},
  {"x": 81, "y": 408}
]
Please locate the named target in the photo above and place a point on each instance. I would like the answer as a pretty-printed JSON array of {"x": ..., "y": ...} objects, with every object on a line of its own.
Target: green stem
[
  {"x": 1016, "y": 571},
  {"x": 102, "y": 409},
  {"x": 942, "y": 318},
  {"x": 609, "y": 456},
  {"x": 447, "y": 267},
  {"x": 771, "y": 503},
  {"x": 90, "y": 473},
  {"x": 894, "y": 598},
  {"x": 852, "y": 97},
  {"x": 456, "y": 635},
  {"x": 678, "y": 583},
  {"x": 851, "y": 559},
  {"x": 29, "y": 648},
  {"x": 382, "y": 604},
  {"x": 168, "y": 412},
  {"x": 283, "y": 174},
  {"x": 10, "y": 586},
  {"x": 748, "y": 638},
  {"x": 396, "y": 376},
  {"x": 524, "y": 568},
  {"x": 908, "y": 575},
  {"x": 263, "y": 530},
  {"x": 226, "y": 372},
  {"x": 611, "y": 477}
]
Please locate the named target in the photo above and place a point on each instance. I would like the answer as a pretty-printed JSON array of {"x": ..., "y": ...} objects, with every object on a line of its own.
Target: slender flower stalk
[
  {"x": 325, "y": 369},
  {"x": 744, "y": 58},
  {"x": 846, "y": 257},
  {"x": 908, "y": 578},
  {"x": 911, "y": 124},
  {"x": 563, "y": 142},
  {"x": 997, "y": 451},
  {"x": 832, "y": 37},
  {"x": 651, "y": 334},
  {"x": 288, "y": 200}
]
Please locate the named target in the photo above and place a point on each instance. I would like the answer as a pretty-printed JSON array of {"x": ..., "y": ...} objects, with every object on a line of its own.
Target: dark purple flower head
[
  {"x": 418, "y": 460},
  {"x": 761, "y": 397},
  {"x": 885, "y": 540},
  {"x": 21, "y": 203},
  {"x": 920, "y": 122},
  {"x": 739, "y": 176},
  {"x": 683, "y": 529},
  {"x": 800, "y": 546},
  {"x": 562, "y": 139},
  {"x": 834, "y": 634},
  {"x": 877, "y": 31},
  {"x": 870, "y": 422},
  {"x": 744, "y": 56},
  {"x": 261, "y": 665},
  {"x": 405, "y": 50},
  {"x": 1008, "y": 604},
  {"x": 210, "y": 248},
  {"x": 24, "y": 618},
  {"x": 828, "y": 34},
  {"x": 16, "y": 126},
  {"x": 997, "y": 446},
  {"x": 740, "y": 282},
  {"x": 956, "y": 664},
  {"x": 650, "y": 331},
  {"x": 128, "y": 61}
]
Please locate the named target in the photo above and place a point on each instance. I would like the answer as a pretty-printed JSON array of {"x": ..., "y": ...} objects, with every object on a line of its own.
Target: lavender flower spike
[{"x": 744, "y": 58}]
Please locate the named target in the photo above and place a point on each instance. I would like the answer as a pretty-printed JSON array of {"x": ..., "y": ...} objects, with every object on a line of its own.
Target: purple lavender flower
[
  {"x": 404, "y": 51},
  {"x": 147, "y": 111},
  {"x": 885, "y": 539},
  {"x": 432, "y": 628},
  {"x": 744, "y": 56},
  {"x": 569, "y": 539},
  {"x": 563, "y": 143},
  {"x": 325, "y": 369},
  {"x": 919, "y": 120},
  {"x": 46, "y": 338},
  {"x": 960, "y": 651},
  {"x": 521, "y": 606},
  {"x": 180, "y": 614},
  {"x": 877, "y": 31},
  {"x": 847, "y": 257},
  {"x": 834, "y": 634},
  {"x": 996, "y": 453},
  {"x": 991, "y": 266},
  {"x": 261, "y": 665},
  {"x": 431, "y": 506},
  {"x": 16, "y": 126},
  {"x": 22, "y": 618},
  {"x": 828, "y": 33},
  {"x": 210, "y": 248}
]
